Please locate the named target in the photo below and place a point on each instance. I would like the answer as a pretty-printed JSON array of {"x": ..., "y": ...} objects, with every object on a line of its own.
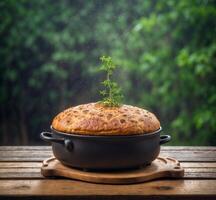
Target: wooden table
[{"x": 20, "y": 177}]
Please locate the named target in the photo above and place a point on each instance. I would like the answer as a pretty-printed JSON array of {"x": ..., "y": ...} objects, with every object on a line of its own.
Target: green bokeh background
[{"x": 166, "y": 50}]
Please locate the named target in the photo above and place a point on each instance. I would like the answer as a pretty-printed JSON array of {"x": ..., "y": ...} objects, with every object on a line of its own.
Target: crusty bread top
[{"x": 96, "y": 119}]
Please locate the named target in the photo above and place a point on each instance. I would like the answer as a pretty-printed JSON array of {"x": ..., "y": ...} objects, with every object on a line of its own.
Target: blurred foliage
[{"x": 49, "y": 54}]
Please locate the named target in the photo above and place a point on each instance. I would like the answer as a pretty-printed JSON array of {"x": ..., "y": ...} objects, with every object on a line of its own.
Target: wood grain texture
[
  {"x": 159, "y": 168},
  {"x": 163, "y": 148},
  {"x": 192, "y": 170},
  {"x": 20, "y": 177},
  {"x": 183, "y": 154},
  {"x": 66, "y": 187}
]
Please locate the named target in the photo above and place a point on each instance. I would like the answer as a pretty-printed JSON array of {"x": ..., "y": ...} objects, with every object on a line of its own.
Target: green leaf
[{"x": 112, "y": 95}]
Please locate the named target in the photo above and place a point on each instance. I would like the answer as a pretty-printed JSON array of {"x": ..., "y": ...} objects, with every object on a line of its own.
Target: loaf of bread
[{"x": 97, "y": 119}]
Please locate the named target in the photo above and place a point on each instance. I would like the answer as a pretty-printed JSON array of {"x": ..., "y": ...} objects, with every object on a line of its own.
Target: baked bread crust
[{"x": 97, "y": 119}]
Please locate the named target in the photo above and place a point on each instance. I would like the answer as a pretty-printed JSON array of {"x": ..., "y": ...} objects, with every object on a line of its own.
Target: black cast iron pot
[{"x": 105, "y": 152}]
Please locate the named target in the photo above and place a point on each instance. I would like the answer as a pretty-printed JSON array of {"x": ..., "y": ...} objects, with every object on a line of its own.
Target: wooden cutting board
[{"x": 160, "y": 168}]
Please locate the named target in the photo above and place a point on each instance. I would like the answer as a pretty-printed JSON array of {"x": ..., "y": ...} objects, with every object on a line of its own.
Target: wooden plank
[
  {"x": 19, "y": 170},
  {"x": 37, "y": 175},
  {"x": 197, "y": 164},
  {"x": 191, "y": 156},
  {"x": 17, "y": 154},
  {"x": 27, "y": 156},
  {"x": 201, "y": 170},
  {"x": 28, "y": 170},
  {"x": 188, "y": 148},
  {"x": 186, "y": 156},
  {"x": 163, "y": 148},
  {"x": 20, "y": 152},
  {"x": 21, "y": 175},
  {"x": 16, "y": 170},
  {"x": 199, "y": 176},
  {"x": 39, "y": 164},
  {"x": 25, "y": 148},
  {"x": 20, "y": 164},
  {"x": 77, "y": 188},
  {"x": 24, "y": 178}
]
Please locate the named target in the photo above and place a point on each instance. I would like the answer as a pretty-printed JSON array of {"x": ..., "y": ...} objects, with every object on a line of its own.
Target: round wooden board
[{"x": 160, "y": 168}]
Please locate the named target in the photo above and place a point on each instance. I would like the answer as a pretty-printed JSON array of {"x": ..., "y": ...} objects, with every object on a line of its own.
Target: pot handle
[
  {"x": 48, "y": 137},
  {"x": 164, "y": 139}
]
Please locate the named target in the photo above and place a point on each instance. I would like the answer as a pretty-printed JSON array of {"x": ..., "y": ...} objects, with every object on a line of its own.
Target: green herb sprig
[{"x": 112, "y": 94}]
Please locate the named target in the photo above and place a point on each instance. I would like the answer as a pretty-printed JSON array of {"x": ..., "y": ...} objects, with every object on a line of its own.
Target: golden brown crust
[{"x": 96, "y": 119}]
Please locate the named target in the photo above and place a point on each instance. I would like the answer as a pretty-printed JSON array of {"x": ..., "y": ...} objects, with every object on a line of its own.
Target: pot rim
[{"x": 107, "y": 136}]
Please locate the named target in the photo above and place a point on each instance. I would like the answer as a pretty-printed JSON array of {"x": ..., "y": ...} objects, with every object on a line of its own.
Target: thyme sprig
[{"x": 112, "y": 93}]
